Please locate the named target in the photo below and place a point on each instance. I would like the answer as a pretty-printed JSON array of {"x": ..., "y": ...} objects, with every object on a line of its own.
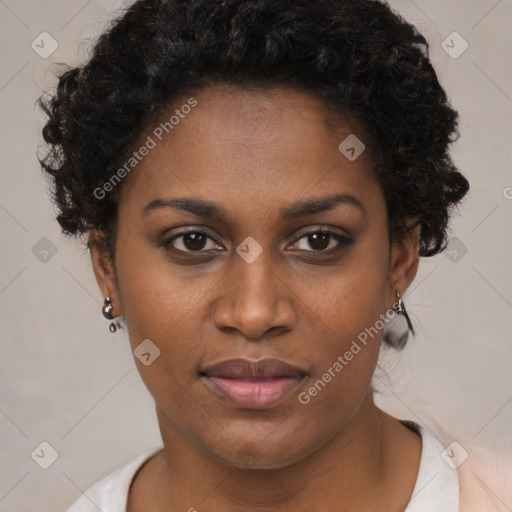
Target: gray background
[{"x": 67, "y": 381}]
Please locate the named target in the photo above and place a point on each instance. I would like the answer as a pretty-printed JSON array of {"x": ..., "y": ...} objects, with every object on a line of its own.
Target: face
[{"x": 248, "y": 267}]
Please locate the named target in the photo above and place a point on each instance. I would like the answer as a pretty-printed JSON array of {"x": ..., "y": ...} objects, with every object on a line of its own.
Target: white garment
[{"x": 436, "y": 489}]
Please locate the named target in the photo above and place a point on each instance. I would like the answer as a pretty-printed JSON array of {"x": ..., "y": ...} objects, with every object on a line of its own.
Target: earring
[
  {"x": 107, "y": 309},
  {"x": 107, "y": 313},
  {"x": 398, "y": 326}
]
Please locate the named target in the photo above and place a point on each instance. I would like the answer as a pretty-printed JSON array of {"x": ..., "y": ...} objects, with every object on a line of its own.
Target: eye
[
  {"x": 323, "y": 241},
  {"x": 192, "y": 241},
  {"x": 320, "y": 241}
]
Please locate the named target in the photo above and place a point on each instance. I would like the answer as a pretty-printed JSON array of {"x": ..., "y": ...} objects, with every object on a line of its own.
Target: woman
[{"x": 257, "y": 181}]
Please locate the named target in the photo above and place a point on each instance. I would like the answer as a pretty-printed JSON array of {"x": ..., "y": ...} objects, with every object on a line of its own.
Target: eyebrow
[{"x": 300, "y": 208}]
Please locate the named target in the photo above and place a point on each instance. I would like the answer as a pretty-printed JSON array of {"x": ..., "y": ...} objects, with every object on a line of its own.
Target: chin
[{"x": 258, "y": 454}]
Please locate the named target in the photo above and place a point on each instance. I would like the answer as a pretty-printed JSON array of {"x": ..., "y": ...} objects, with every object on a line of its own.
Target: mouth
[{"x": 253, "y": 384}]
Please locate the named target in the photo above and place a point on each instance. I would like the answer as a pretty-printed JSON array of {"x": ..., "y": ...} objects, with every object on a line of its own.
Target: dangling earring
[
  {"x": 107, "y": 313},
  {"x": 398, "y": 326}
]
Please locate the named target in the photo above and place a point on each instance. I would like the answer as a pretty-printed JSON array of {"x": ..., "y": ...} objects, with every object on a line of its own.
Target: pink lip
[
  {"x": 253, "y": 393},
  {"x": 252, "y": 384}
]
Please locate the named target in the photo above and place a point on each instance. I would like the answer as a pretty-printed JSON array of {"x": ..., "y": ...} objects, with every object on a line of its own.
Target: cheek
[
  {"x": 156, "y": 295},
  {"x": 349, "y": 297},
  {"x": 161, "y": 306},
  {"x": 346, "y": 356},
  {"x": 348, "y": 306}
]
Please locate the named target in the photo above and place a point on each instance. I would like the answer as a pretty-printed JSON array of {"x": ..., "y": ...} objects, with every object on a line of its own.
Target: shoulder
[
  {"x": 485, "y": 479},
  {"x": 437, "y": 485},
  {"x": 110, "y": 494}
]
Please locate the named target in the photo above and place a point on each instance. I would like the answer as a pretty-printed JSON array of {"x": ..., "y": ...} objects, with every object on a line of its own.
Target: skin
[{"x": 254, "y": 152}]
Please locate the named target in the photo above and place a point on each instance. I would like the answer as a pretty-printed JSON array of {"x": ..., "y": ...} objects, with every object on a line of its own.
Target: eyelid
[{"x": 321, "y": 228}]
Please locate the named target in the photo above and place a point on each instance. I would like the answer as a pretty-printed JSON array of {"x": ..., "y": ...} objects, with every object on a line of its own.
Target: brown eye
[
  {"x": 319, "y": 241},
  {"x": 191, "y": 241},
  {"x": 194, "y": 241},
  {"x": 323, "y": 241}
]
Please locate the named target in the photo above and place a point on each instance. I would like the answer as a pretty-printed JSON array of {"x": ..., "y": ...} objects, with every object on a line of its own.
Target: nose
[{"x": 254, "y": 300}]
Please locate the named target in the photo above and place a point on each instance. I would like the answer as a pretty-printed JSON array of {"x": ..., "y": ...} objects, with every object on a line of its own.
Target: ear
[
  {"x": 104, "y": 272},
  {"x": 405, "y": 258}
]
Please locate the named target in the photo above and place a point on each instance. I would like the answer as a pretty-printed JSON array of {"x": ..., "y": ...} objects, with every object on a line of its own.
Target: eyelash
[{"x": 343, "y": 241}]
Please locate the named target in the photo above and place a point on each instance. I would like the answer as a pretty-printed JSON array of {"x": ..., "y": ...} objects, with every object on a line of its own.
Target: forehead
[{"x": 254, "y": 145}]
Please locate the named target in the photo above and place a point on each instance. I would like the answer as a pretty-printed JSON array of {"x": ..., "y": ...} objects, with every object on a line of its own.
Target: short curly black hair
[{"x": 360, "y": 56}]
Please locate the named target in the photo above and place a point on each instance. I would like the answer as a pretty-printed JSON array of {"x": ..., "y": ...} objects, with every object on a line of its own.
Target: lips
[
  {"x": 253, "y": 384},
  {"x": 245, "y": 369}
]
